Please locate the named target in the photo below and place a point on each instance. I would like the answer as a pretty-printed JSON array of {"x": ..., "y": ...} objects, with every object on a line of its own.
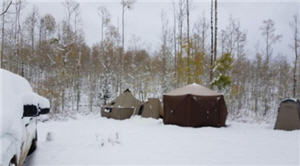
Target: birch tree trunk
[
  {"x": 216, "y": 31},
  {"x": 188, "y": 41},
  {"x": 295, "y": 27},
  {"x": 211, "y": 42}
]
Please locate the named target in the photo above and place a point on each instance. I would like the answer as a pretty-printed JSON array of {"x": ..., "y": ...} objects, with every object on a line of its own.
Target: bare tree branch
[{"x": 6, "y": 9}]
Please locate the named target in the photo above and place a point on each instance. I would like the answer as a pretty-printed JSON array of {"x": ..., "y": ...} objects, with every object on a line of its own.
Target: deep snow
[{"x": 93, "y": 140}]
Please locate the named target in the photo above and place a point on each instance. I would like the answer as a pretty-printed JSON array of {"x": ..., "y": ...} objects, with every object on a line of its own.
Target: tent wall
[
  {"x": 195, "y": 111},
  {"x": 127, "y": 100},
  {"x": 172, "y": 110},
  {"x": 288, "y": 117},
  {"x": 222, "y": 109},
  {"x": 152, "y": 108},
  {"x": 123, "y": 107},
  {"x": 117, "y": 113}
]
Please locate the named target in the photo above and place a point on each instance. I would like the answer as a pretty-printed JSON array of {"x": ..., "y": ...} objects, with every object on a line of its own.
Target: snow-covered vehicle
[{"x": 19, "y": 107}]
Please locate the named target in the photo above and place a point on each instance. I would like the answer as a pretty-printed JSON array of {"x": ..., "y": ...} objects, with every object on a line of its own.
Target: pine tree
[{"x": 222, "y": 71}]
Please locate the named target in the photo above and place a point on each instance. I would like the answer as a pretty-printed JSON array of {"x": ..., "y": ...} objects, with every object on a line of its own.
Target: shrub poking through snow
[{"x": 111, "y": 139}]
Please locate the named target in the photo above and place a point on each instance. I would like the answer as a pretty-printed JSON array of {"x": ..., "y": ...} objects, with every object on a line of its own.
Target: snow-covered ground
[{"x": 92, "y": 140}]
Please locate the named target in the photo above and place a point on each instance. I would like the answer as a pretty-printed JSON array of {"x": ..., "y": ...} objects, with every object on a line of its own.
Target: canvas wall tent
[
  {"x": 152, "y": 108},
  {"x": 288, "y": 117},
  {"x": 123, "y": 107},
  {"x": 194, "y": 105}
]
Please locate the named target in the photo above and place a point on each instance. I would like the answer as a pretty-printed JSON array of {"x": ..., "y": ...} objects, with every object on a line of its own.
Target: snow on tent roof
[
  {"x": 193, "y": 89},
  {"x": 289, "y": 100}
]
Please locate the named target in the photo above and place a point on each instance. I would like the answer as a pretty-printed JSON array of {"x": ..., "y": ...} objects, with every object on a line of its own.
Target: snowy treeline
[{"x": 55, "y": 58}]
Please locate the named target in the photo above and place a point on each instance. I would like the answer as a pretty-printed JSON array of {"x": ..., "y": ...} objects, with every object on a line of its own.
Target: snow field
[{"x": 94, "y": 140}]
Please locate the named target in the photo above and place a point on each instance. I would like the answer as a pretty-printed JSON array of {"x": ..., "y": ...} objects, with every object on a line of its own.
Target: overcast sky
[{"x": 144, "y": 22}]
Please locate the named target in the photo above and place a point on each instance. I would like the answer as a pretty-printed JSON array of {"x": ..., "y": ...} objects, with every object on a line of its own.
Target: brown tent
[
  {"x": 152, "y": 108},
  {"x": 123, "y": 107},
  {"x": 194, "y": 105},
  {"x": 288, "y": 117}
]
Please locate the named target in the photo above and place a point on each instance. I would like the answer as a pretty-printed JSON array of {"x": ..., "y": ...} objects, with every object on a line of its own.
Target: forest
[{"x": 76, "y": 77}]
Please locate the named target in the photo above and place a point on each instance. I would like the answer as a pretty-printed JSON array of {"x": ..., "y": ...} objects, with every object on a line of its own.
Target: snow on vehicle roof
[
  {"x": 15, "y": 83},
  {"x": 15, "y": 92},
  {"x": 11, "y": 107}
]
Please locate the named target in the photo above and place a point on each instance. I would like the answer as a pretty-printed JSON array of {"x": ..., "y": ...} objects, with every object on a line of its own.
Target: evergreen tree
[{"x": 222, "y": 71}]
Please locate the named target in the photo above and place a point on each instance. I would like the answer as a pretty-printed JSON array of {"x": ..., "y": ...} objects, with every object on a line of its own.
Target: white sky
[{"x": 144, "y": 22}]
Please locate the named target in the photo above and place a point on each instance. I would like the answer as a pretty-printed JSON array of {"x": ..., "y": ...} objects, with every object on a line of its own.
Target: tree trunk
[
  {"x": 78, "y": 82},
  {"x": 216, "y": 32},
  {"x": 295, "y": 73},
  {"x": 188, "y": 41},
  {"x": 296, "y": 46},
  {"x": 63, "y": 100},
  {"x": 2, "y": 37},
  {"x": 175, "y": 45},
  {"x": 78, "y": 89},
  {"x": 211, "y": 43},
  {"x": 179, "y": 58},
  {"x": 122, "y": 51}
]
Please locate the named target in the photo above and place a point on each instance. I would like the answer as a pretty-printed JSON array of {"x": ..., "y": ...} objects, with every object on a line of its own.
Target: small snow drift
[
  {"x": 123, "y": 107},
  {"x": 288, "y": 117},
  {"x": 196, "y": 106}
]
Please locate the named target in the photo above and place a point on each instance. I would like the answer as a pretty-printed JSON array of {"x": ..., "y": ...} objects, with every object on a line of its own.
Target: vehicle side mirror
[
  {"x": 30, "y": 111},
  {"x": 44, "y": 111}
]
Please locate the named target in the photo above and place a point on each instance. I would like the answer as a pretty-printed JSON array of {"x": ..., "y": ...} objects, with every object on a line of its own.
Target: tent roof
[
  {"x": 127, "y": 100},
  {"x": 193, "y": 89},
  {"x": 289, "y": 100}
]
